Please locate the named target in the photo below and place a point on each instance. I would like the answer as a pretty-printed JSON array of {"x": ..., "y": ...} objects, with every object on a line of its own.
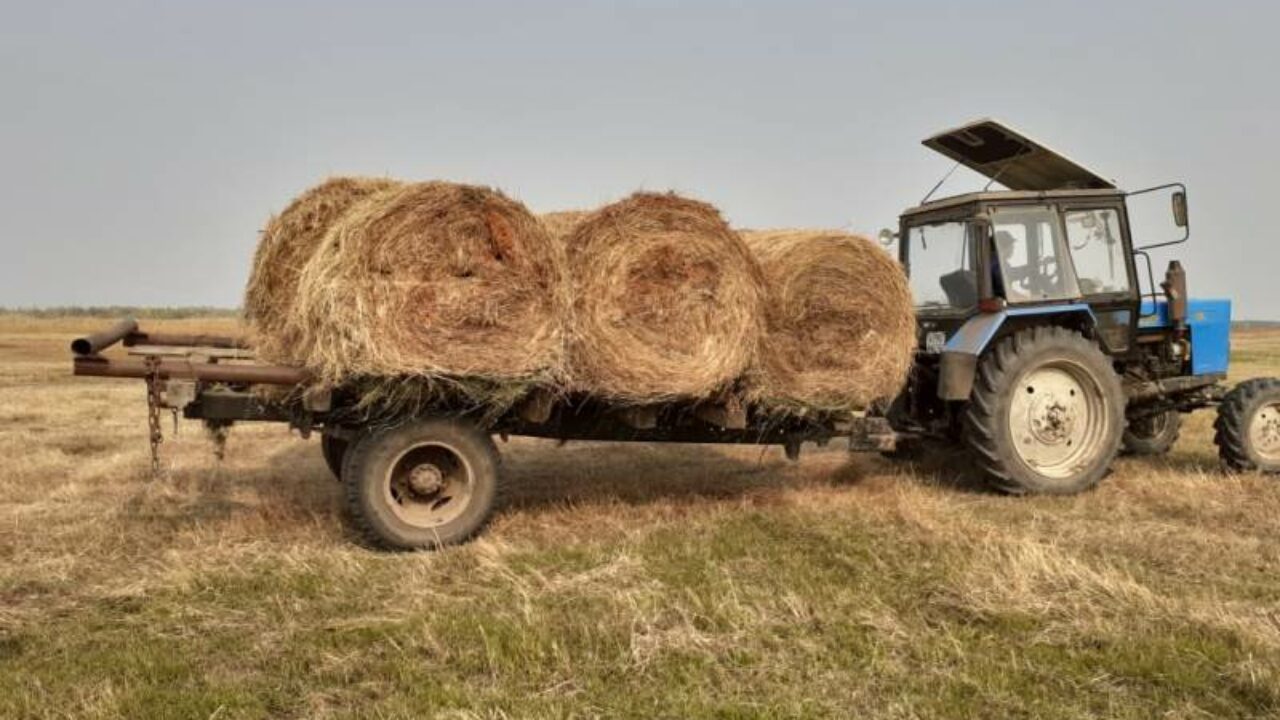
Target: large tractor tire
[
  {"x": 1046, "y": 414},
  {"x": 424, "y": 484},
  {"x": 1153, "y": 434},
  {"x": 334, "y": 450},
  {"x": 1248, "y": 427}
]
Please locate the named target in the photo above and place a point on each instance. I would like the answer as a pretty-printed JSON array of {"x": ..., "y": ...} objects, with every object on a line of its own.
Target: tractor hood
[{"x": 1014, "y": 160}]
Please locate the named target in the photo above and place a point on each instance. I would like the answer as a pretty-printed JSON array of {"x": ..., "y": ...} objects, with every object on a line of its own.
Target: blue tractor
[{"x": 1045, "y": 346}]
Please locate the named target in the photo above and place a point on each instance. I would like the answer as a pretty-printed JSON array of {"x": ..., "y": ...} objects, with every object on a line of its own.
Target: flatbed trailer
[{"x": 432, "y": 476}]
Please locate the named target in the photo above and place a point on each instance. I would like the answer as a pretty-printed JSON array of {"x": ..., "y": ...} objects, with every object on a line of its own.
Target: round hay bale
[
  {"x": 287, "y": 243},
  {"x": 667, "y": 301},
  {"x": 560, "y": 224},
  {"x": 840, "y": 321},
  {"x": 434, "y": 280}
]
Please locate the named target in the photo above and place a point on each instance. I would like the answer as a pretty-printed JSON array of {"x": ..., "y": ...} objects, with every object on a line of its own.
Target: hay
[
  {"x": 562, "y": 223},
  {"x": 460, "y": 290},
  {"x": 433, "y": 281},
  {"x": 287, "y": 243},
  {"x": 667, "y": 301},
  {"x": 840, "y": 322}
]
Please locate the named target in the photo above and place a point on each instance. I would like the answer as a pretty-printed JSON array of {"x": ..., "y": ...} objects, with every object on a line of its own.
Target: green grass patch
[{"x": 783, "y": 613}]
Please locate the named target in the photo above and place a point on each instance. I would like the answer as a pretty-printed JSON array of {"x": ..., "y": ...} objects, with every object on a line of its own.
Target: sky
[{"x": 144, "y": 145}]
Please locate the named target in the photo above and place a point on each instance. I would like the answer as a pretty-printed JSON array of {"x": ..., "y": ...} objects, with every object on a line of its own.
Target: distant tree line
[{"x": 117, "y": 311}]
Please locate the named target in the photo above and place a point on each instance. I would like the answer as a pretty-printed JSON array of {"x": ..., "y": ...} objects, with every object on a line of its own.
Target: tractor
[{"x": 1045, "y": 346}]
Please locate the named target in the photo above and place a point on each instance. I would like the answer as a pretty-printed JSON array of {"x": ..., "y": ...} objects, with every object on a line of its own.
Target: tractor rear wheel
[
  {"x": 1248, "y": 427},
  {"x": 1153, "y": 434},
  {"x": 1046, "y": 413},
  {"x": 423, "y": 484}
]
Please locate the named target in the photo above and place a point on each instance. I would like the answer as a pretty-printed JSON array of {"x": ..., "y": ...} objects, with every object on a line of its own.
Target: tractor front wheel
[
  {"x": 1046, "y": 413},
  {"x": 1248, "y": 427},
  {"x": 1152, "y": 434}
]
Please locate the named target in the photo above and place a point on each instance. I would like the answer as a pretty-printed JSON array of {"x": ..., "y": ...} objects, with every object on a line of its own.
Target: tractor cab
[
  {"x": 1022, "y": 252},
  {"x": 1044, "y": 341},
  {"x": 1056, "y": 242}
]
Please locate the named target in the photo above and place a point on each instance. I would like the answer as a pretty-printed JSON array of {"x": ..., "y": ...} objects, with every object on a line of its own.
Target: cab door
[{"x": 1097, "y": 236}]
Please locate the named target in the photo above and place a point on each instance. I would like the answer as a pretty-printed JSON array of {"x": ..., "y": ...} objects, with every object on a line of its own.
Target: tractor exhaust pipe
[{"x": 1175, "y": 288}]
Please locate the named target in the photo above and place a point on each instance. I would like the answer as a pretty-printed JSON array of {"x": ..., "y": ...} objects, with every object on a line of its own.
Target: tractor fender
[{"x": 959, "y": 361}]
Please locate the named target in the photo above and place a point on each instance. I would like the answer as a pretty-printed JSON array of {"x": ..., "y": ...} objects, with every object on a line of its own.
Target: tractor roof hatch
[{"x": 1014, "y": 160}]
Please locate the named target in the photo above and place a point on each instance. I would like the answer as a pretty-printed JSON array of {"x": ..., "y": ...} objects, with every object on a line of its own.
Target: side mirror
[
  {"x": 1180, "y": 209},
  {"x": 888, "y": 237},
  {"x": 1179, "y": 199}
]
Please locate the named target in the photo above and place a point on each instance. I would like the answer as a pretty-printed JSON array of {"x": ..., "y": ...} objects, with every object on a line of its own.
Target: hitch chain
[
  {"x": 218, "y": 434},
  {"x": 153, "y": 412}
]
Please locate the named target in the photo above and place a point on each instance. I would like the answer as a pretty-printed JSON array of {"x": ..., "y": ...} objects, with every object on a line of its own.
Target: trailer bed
[
  {"x": 429, "y": 475},
  {"x": 217, "y": 380}
]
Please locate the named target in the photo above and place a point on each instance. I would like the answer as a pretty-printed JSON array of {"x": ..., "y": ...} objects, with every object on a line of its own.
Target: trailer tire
[
  {"x": 1046, "y": 413},
  {"x": 1153, "y": 434},
  {"x": 334, "y": 450},
  {"x": 1247, "y": 430},
  {"x": 424, "y": 484}
]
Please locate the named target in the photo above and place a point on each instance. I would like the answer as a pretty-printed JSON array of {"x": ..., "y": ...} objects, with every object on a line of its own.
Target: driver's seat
[{"x": 961, "y": 288}]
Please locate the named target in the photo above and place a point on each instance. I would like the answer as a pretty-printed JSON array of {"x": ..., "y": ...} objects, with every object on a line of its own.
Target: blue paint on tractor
[
  {"x": 973, "y": 337},
  {"x": 1210, "y": 324},
  {"x": 1153, "y": 314}
]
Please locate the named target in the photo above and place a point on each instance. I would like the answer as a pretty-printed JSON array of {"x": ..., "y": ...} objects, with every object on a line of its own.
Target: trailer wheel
[
  {"x": 334, "y": 450},
  {"x": 1046, "y": 413},
  {"x": 1153, "y": 434},
  {"x": 423, "y": 484},
  {"x": 1247, "y": 431}
]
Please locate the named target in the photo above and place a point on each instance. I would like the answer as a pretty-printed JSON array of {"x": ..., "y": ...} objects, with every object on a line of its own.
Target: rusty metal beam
[
  {"x": 183, "y": 351},
  {"x": 99, "y": 341},
  {"x": 137, "y": 337},
  {"x": 97, "y": 366}
]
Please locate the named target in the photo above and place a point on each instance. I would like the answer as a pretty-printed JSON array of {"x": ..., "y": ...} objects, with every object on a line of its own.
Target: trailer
[{"x": 433, "y": 476}]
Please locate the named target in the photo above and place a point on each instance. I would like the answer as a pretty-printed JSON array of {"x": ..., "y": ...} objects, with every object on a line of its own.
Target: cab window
[
  {"x": 1096, "y": 249},
  {"x": 941, "y": 267},
  {"x": 1030, "y": 263}
]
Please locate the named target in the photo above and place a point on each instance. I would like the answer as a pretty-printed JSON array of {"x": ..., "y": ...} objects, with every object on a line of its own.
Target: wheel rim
[
  {"x": 429, "y": 484},
  {"x": 1058, "y": 419},
  {"x": 1264, "y": 432},
  {"x": 1149, "y": 427}
]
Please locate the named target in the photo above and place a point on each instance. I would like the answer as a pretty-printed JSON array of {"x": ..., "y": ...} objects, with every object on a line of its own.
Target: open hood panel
[{"x": 1012, "y": 159}]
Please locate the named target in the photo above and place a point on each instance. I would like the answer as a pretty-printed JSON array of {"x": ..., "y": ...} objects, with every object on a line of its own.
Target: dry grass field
[{"x": 623, "y": 581}]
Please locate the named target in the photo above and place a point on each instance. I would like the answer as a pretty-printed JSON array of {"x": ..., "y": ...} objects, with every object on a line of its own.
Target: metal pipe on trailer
[
  {"x": 138, "y": 337},
  {"x": 126, "y": 330},
  {"x": 99, "y": 341},
  {"x": 171, "y": 368}
]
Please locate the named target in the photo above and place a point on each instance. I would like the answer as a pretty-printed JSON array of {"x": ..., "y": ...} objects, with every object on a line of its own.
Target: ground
[{"x": 622, "y": 581}]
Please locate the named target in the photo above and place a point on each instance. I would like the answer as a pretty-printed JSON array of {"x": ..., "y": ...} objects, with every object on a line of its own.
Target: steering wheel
[{"x": 1044, "y": 281}]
